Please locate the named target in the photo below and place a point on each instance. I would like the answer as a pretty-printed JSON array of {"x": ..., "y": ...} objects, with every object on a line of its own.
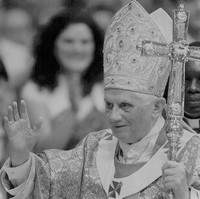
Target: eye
[
  {"x": 109, "y": 106},
  {"x": 126, "y": 106},
  {"x": 86, "y": 41},
  {"x": 68, "y": 41}
]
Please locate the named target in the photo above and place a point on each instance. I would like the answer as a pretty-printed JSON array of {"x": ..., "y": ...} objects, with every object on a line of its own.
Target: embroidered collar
[{"x": 130, "y": 185}]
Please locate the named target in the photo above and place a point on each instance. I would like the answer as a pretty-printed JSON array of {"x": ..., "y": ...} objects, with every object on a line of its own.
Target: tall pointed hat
[{"x": 124, "y": 66}]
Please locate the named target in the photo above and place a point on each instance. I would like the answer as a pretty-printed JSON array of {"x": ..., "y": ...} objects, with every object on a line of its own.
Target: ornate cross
[{"x": 178, "y": 52}]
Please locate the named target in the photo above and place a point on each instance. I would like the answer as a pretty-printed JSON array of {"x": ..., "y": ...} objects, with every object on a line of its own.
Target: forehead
[
  {"x": 192, "y": 67},
  {"x": 77, "y": 30},
  {"x": 121, "y": 95},
  {"x": 17, "y": 17}
]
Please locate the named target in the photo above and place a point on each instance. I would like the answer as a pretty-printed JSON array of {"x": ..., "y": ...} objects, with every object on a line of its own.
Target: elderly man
[{"x": 130, "y": 159}]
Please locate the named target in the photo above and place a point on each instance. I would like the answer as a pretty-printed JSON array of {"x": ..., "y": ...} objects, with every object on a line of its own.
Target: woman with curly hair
[{"x": 66, "y": 83}]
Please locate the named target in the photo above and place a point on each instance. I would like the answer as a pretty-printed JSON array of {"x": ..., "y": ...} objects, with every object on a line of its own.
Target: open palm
[{"x": 21, "y": 136}]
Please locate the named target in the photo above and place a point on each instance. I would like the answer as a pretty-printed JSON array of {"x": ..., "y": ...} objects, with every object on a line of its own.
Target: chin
[
  {"x": 192, "y": 115},
  {"x": 119, "y": 136},
  {"x": 123, "y": 138}
]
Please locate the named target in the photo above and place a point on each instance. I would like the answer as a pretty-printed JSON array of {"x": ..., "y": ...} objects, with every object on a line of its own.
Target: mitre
[{"x": 124, "y": 66}]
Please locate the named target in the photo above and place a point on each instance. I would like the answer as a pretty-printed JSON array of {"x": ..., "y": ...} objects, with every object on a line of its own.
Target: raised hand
[
  {"x": 21, "y": 136},
  {"x": 175, "y": 178}
]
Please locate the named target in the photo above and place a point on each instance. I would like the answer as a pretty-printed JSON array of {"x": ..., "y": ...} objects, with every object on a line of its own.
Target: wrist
[
  {"x": 19, "y": 159},
  {"x": 184, "y": 194}
]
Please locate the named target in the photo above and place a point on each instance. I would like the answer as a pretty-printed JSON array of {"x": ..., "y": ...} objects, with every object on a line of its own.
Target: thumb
[{"x": 38, "y": 125}]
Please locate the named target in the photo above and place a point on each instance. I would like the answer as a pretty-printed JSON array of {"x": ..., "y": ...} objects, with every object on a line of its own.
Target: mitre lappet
[{"x": 124, "y": 66}]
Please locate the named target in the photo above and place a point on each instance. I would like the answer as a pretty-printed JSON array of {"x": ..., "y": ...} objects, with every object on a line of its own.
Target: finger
[
  {"x": 170, "y": 186},
  {"x": 38, "y": 125},
  {"x": 169, "y": 164},
  {"x": 164, "y": 167},
  {"x": 171, "y": 172},
  {"x": 6, "y": 124},
  {"x": 173, "y": 164},
  {"x": 23, "y": 110},
  {"x": 168, "y": 179},
  {"x": 15, "y": 111},
  {"x": 10, "y": 114}
]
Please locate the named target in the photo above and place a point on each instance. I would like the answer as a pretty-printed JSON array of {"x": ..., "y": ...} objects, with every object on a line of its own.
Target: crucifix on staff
[{"x": 179, "y": 52}]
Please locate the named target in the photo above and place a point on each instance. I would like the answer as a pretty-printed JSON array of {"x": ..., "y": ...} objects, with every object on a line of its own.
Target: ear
[{"x": 158, "y": 106}]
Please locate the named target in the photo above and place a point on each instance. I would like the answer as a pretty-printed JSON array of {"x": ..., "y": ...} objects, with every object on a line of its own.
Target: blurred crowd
[{"x": 51, "y": 56}]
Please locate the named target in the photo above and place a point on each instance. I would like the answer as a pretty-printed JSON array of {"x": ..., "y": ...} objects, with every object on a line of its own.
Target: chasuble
[{"x": 88, "y": 170}]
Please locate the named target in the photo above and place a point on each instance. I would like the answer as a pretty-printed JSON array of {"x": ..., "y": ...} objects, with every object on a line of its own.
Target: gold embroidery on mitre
[{"x": 124, "y": 67}]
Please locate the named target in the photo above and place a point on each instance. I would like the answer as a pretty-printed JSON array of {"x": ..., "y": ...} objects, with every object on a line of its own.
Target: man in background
[
  {"x": 18, "y": 31},
  {"x": 192, "y": 93}
]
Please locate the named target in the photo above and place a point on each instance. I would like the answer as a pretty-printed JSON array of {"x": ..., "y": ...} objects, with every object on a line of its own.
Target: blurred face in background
[
  {"x": 18, "y": 26},
  {"x": 75, "y": 48},
  {"x": 192, "y": 90},
  {"x": 103, "y": 18}
]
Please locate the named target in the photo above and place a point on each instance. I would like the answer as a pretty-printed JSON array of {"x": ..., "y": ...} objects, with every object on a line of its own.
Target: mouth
[
  {"x": 119, "y": 126},
  {"x": 193, "y": 102},
  {"x": 192, "y": 97}
]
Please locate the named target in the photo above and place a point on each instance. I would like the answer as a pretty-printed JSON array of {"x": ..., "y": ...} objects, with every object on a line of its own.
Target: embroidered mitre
[{"x": 124, "y": 66}]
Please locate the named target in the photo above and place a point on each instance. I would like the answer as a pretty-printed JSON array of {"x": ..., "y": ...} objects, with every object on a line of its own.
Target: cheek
[
  {"x": 62, "y": 48},
  {"x": 88, "y": 51},
  {"x": 64, "y": 51},
  {"x": 136, "y": 117},
  {"x": 63, "y": 55},
  {"x": 140, "y": 117}
]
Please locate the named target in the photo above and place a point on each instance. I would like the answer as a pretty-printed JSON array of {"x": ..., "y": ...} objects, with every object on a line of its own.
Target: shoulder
[
  {"x": 95, "y": 137},
  {"x": 89, "y": 142},
  {"x": 189, "y": 145},
  {"x": 190, "y": 137},
  {"x": 74, "y": 159},
  {"x": 30, "y": 89}
]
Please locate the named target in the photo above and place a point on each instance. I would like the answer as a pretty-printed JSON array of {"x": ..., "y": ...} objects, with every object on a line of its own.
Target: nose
[
  {"x": 194, "y": 86},
  {"x": 78, "y": 46},
  {"x": 114, "y": 115}
]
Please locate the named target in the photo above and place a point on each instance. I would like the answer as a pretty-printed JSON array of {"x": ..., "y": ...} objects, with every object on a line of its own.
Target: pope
[{"x": 129, "y": 160}]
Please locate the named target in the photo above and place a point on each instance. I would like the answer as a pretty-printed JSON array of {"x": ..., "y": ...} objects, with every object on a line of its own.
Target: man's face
[
  {"x": 192, "y": 89},
  {"x": 130, "y": 117}
]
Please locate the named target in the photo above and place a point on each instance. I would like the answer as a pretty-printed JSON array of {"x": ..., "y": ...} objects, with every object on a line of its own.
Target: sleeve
[
  {"x": 51, "y": 173},
  {"x": 19, "y": 181}
]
